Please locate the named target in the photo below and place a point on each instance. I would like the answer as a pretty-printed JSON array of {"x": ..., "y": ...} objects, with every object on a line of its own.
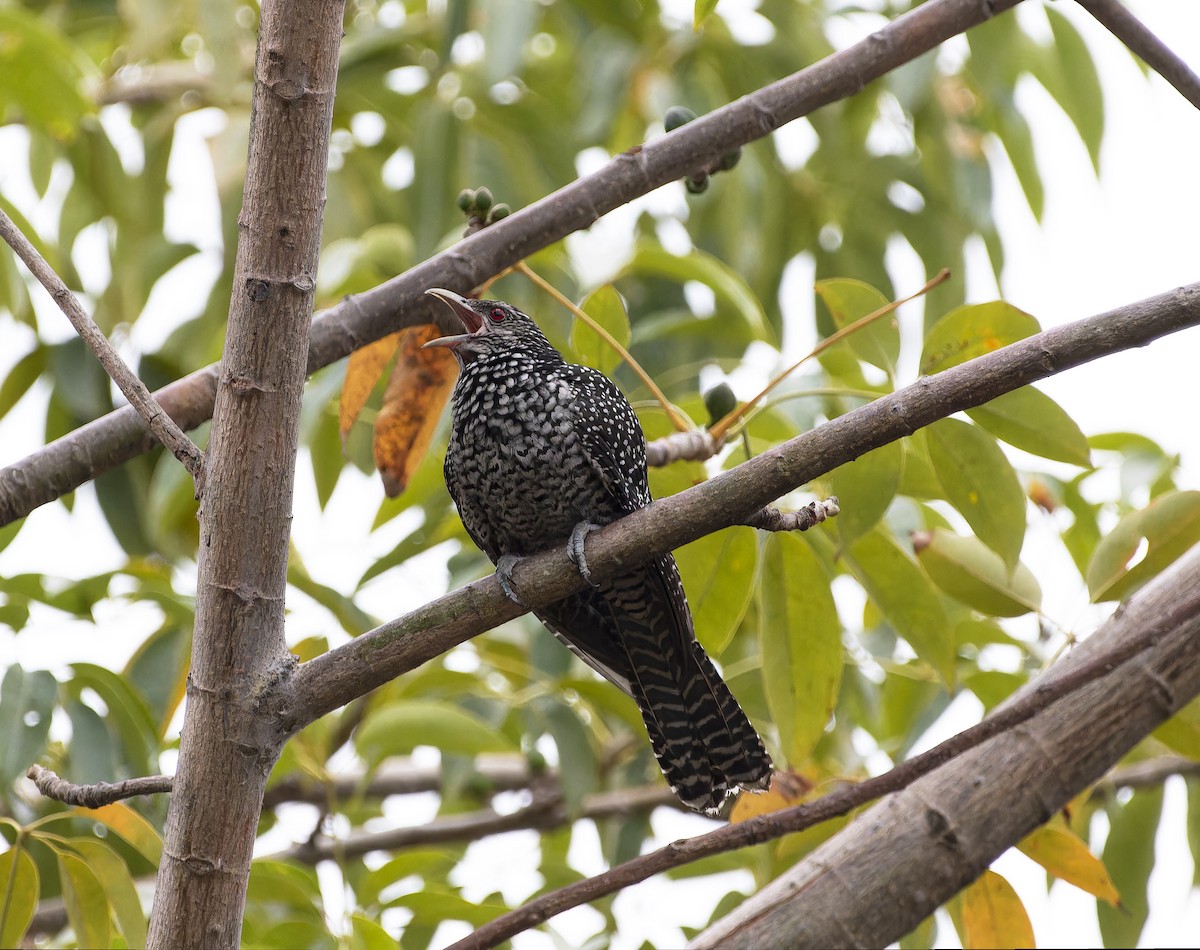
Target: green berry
[
  {"x": 697, "y": 185},
  {"x": 483, "y": 200},
  {"x": 499, "y": 211},
  {"x": 719, "y": 401},
  {"x": 677, "y": 116},
  {"x": 466, "y": 200},
  {"x": 730, "y": 159}
]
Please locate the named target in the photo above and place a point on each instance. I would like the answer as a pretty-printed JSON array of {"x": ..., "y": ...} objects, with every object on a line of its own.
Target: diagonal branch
[
  {"x": 1171, "y": 632},
  {"x": 160, "y": 423},
  {"x": 335, "y": 678},
  {"x": 1153, "y": 52},
  {"x": 91, "y": 450}
]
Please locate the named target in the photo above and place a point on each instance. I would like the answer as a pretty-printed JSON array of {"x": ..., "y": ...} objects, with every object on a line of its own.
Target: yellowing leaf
[
  {"x": 131, "y": 826},
  {"x": 363, "y": 369},
  {"x": 968, "y": 570},
  {"x": 418, "y": 389},
  {"x": 847, "y": 300},
  {"x": 1066, "y": 856},
  {"x": 19, "y": 881},
  {"x": 973, "y": 330},
  {"x": 993, "y": 915}
]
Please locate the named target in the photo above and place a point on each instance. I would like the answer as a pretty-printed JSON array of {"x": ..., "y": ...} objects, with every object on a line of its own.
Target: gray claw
[
  {"x": 575, "y": 549},
  {"x": 504, "y": 569}
]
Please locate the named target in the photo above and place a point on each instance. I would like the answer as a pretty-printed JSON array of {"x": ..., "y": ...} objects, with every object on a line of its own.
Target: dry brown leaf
[
  {"x": 417, "y": 391},
  {"x": 787, "y": 789},
  {"x": 362, "y": 372}
]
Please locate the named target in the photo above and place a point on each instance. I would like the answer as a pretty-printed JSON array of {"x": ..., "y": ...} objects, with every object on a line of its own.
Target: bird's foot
[
  {"x": 504, "y": 569},
  {"x": 575, "y": 549}
]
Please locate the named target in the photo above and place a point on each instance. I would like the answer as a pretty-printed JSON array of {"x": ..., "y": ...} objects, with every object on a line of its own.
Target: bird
[{"x": 543, "y": 452}]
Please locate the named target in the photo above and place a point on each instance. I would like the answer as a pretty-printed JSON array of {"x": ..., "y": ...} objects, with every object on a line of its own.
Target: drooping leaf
[
  {"x": 971, "y": 572},
  {"x": 19, "y": 886},
  {"x": 979, "y": 481},
  {"x": 1031, "y": 420},
  {"x": 114, "y": 877},
  {"x": 701, "y": 12},
  {"x": 1129, "y": 857},
  {"x": 866, "y": 488},
  {"x": 878, "y": 343},
  {"x": 993, "y": 915},
  {"x": 85, "y": 900},
  {"x": 417, "y": 391},
  {"x": 906, "y": 597},
  {"x": 718, "y": 573},
  {"x": 26, "y": 706},
  {"x": 1163, "y": 530},
  {"x": 363, "y": 369},
  {"x": 1065, "y": 855},
  {"x": 801, "y": 643}
]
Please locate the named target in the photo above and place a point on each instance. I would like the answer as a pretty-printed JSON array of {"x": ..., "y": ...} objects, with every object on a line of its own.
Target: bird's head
[{"x": 493, "y": 327}]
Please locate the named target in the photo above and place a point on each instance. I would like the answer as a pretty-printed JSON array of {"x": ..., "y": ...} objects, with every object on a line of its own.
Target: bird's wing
[{"x": 611, "y": 437}]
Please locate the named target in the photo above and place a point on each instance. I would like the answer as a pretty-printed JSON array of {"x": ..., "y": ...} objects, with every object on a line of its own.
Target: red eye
[{"x": 496, "y": 314}]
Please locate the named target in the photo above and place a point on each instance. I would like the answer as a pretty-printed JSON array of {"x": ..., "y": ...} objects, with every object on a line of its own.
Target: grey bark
[
  {"x": 895, "y": 864},
  {"x": 238, "y": 646}
]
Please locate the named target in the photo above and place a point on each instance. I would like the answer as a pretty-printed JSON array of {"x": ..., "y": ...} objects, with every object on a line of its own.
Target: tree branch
[
  {"x": 334, "y": 678},
  {"x": 99, "y": 794},
  {"x": 91, "y": 450},
  {"x": 1170, "y": 632},
  {"x": 546, "y": 811},
  {"x": 152, "y": 414},
  {"x": 1154, "y": 52},
  {"x": 883, "y": 874}
]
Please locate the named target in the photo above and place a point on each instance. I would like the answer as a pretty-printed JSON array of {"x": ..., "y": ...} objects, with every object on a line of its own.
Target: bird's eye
[{"x": 496, "y": 314}]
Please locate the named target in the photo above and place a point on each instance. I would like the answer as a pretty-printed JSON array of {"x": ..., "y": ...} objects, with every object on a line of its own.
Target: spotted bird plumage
[{"x": 540, "y": 449}]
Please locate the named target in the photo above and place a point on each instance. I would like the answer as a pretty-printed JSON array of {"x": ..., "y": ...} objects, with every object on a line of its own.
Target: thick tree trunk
[
  {"x": 896, "y": 863},
  {"x": 226, "y": 753}
]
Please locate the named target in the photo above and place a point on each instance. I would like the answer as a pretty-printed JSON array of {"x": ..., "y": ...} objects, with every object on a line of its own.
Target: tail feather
[{"x": 637, "y": 631}]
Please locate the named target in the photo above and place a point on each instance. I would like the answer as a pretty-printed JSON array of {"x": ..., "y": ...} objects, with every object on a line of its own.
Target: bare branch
[
  {"x": 99, "y": 794},
  {"x": 155, "y": 417},
  {"x": 1154, "y": 52},
  {"x": 335, "y": 678},
  {"x": 546, "y": 811},
  {"x": 695, "y": 445},
  {"x": 1177, "y": 629},
  {"x": 65, "y": 464},
  {"x": 1146, "y": 774}
]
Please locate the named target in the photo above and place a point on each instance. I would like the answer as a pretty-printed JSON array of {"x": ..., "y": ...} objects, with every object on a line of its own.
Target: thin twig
[
  {"x": 99, "y": 794},
  {"x": 775, "y": 825},
  {"x": 1154, "y": 53},
  {"x": 812, "y": 514},
  {"x": 160, "y": 423},
  {"x": 1149, "y": 773}
]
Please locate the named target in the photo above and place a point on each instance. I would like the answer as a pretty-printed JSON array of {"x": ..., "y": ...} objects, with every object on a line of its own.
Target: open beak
[{"x": 471, "y": 321}]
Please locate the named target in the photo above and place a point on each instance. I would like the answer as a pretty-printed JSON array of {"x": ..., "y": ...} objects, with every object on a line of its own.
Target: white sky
[{"x": 1130, "y": 235}]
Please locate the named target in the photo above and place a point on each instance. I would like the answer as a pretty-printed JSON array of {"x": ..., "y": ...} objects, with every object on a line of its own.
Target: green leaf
[
  {"x": 438, "y": 906},
  {"x": 1129, "y": 857},
  {"x": 43, "y": 75},
  {"x": 399, "y": 728},
  {"x": 91, "y": 748},
  {"x": 19, "y": 887},
  {"x": 734, "y": 296},
  {"x": 906, "y": 598},
  {"x": 801, "y": 643},
  {"x": 577, "y": 766},
  {"x": 701, "y": 12},
  {"x": 127, "y": 712},
  {"x": 974, "y": 330},
  {"x": 1072, "y": 79},
  {"x": 24, "y": 374},
  {"x": 979, "y": 481},
  {"x": 971, "y": 572},
  {"x": 1168, "y": 526},
  {"x": 366, "y": 934},
  {"x": 114, "y": 877},
  {"x": 1182, "y": 731},
  {"x": 865, "y": 488},
  {"x": 718, "y": 575},
  {"x": 85, "y": 900},
  {"x": 26, "y": 706},
  {"x": 287, "y": 887},
  {"x": 1031, "y": 420},
  {"x": 606, "y": 307},
  {"x": 878, "y": 343}
]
